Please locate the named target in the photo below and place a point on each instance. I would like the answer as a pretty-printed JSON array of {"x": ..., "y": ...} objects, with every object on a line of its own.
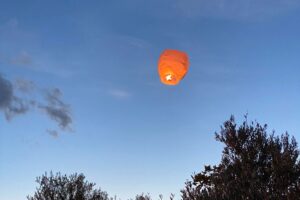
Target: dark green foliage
[
  {"x": 254, "y": 166},
  {"x": 63, "y": 187}
]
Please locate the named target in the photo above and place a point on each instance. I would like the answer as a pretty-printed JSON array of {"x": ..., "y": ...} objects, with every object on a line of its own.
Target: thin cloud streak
[
  {"x": 251, "y": 10},
  {"x": 120, "y": 94}
]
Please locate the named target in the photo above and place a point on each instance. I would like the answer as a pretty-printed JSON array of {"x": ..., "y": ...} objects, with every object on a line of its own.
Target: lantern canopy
[{"x": 172, "y": 66}]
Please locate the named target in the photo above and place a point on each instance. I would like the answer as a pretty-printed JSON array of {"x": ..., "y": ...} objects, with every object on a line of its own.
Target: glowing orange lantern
[{"x": 172, "y": 66}]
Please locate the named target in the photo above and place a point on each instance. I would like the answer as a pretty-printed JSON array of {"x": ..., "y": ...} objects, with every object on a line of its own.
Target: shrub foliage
[
  {"x": 63, "y": 187},
  {"x": 254, "y": 166}
]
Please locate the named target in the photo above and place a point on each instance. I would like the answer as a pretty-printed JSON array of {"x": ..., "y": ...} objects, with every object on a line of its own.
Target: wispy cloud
[
  {"x": 23, "y": 58},
  {"x": 235, "y": 9},
  {"x": 21, "y": 47},
  {"x": 9, "y": 26},
  {"x": 12, "y": 23},
  {"x": 120, "y": 94},
  {"x": 135, "y": 41},
  {"x": 51, "y": 104},
  {"x": 25, "y": 86},
  {"x": 41, "y": 64}
]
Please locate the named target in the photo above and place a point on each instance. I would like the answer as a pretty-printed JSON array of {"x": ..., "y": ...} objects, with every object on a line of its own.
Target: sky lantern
[{"x": 172, "y": 66}]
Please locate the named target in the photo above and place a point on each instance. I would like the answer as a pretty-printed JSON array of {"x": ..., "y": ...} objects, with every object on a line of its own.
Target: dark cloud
[
  {"x": 52, "y": 103},
  {"x": 53, "y": 133},
  {"x": 56, "y": 109},
  {"x": 17, "y": 106},
  {"x": 6, "y": 93},
  {"x": 53, "y": 98},
  {"x": 10, "y": 104}
]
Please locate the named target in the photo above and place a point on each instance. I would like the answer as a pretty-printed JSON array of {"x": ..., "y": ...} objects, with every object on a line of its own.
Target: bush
[
  {"x": 254, "y": 166},
  {"x": 63, "y": 187}
]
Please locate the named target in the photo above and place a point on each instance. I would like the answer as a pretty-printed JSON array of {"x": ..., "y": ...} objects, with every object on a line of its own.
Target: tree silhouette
[
  {"x": 143, "y": 197},
  {"x": 254, "y": 166},
  {"x": 63, "y": 187}
]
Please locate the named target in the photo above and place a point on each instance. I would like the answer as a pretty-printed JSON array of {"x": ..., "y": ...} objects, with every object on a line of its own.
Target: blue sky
[{"x": 129, "y": 133}]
